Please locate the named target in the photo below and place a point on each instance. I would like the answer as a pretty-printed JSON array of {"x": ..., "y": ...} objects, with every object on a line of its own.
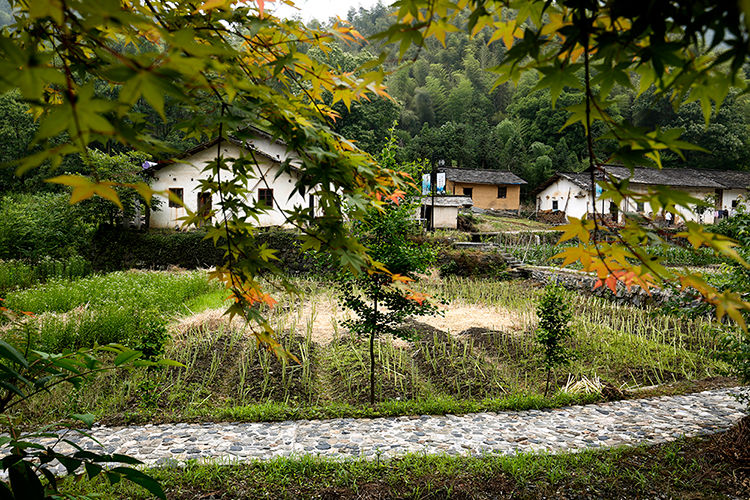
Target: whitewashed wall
[
  {"x": 188, "y": 172},
  {"x": 576, "y": 201},
  {"x": 571, "y": 198},
  {"x": 730, "y": 195}
]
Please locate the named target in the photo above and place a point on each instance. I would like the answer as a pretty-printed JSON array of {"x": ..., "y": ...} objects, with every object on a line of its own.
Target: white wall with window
[{"x": 182, "y": 180}]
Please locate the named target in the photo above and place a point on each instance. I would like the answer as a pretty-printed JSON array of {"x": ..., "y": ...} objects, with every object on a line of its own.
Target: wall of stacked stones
[{"x": 583, "y": 282}]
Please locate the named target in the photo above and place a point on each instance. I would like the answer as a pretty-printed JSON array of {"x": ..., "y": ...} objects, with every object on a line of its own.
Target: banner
[{"x": 427, "y": 188}]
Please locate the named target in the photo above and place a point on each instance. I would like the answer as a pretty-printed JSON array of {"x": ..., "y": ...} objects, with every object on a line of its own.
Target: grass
[
  {"x": 16, "y": 274},
  {"x": 689, "y": 468},
  {"x": 487, "y": 223},
  {"x": 228, "y": 377},
  {"x": 101, "y": 309},
  {"x": 162, "y": 291}
]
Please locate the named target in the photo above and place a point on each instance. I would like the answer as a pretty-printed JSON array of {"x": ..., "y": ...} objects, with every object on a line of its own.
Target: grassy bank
[
  {"x": 694, "y": 468},
  {"x": 480, "y": 355}
]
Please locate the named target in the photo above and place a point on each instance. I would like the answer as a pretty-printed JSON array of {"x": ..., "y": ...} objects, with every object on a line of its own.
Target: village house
[
  {"x": 721, "y": 190},
  {"x": 272, "y": 185},
  {"x": 488, "y": 189}
]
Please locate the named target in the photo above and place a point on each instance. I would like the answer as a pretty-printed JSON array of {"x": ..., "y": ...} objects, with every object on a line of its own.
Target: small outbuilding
[
  {"x": 488, "y": 189},
  {"x": 445, "y": 210}
]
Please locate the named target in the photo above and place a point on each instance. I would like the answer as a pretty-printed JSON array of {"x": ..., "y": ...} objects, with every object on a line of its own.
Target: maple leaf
[
  {"x": 84, "y": 188},
  {"x": 576, "y": 228}
]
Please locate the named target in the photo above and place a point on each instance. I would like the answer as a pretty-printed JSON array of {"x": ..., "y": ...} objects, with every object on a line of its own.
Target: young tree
[
  {"x": 381, "y": 298},
  {"x": 554, "y": 316}
]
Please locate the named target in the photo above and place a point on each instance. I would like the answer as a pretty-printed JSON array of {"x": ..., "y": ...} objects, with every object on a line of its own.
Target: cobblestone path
[{"x": 629, "y": 422}]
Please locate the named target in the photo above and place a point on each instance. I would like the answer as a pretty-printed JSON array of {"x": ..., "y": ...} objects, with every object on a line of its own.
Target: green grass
[
  {"x": 16, "y": 274},
  {"x": 101, "y": 309},
  {"x": 161, "y": 291},
  {"x": 677, "y": 470},
  {"x": 228, "y": 376}
]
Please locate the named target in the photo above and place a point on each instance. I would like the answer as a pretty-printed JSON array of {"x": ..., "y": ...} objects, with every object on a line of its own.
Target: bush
[
  {"x": 116, "y": 249},
  {"x": 472, "y": 263},
  {"x": 42, "y": 225}
]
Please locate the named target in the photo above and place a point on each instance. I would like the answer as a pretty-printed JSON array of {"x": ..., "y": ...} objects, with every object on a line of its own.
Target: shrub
[
  {"x": 554, "y": 315},
  {"x": 116, "y": 249},
  {"x": 472, "y": 263},
  {"x": 39, "y": 225}
]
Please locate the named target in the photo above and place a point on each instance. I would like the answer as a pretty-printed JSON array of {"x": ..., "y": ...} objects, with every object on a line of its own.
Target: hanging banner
[{"x": 440, "y": 184}]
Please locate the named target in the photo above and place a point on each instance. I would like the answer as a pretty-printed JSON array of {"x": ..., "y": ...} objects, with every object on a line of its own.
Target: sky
[{"x": 320, "y": 9}]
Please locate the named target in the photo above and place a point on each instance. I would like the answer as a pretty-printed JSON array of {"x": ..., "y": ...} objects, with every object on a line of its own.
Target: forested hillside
[{"x": 447, "y": 107}]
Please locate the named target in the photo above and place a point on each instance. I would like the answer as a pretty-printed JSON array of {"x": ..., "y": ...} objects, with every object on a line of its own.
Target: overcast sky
[{"x": 320, "y": 9}]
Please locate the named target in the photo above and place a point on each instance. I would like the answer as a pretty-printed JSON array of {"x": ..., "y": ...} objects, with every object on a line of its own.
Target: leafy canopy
[{"x": 86, "y": 68}]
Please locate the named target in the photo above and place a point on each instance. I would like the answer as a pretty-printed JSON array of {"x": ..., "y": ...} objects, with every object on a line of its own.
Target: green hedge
[
  {"x": 114, "y": 249},
  {"x": 472, "y": 263}
]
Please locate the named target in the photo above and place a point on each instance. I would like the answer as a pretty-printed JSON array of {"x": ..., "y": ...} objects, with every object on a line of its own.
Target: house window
[
  {"x": 502, "y": 191},
  {"x": 468, "y": 192},
  {"x": 555, "y": 205},
  {"x": 265, "y": 196},
  {"x": 640, "y": 207},
  {"x": 735, "y": 203},
  {"x": 175, "y": 197}
]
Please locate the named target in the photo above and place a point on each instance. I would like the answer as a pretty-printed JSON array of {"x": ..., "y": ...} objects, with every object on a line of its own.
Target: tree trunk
[
  {"x": 546, "y": 389},
  {"x": 372, "y": 350}
]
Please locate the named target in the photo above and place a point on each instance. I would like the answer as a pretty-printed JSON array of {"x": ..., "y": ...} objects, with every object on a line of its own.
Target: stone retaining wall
[{"x": 585, "y": 282}]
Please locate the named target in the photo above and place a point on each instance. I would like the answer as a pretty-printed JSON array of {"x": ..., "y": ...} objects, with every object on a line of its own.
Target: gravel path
[{"x": 573, "y": 428}]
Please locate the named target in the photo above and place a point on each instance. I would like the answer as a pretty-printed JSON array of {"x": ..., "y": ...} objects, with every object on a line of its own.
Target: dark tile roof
[
  {"x": 481, "y": 176},
  {"x": 448, "y": 201},
  {"x": 675, "y": 177},
  {"x": 730, "y": 179}
]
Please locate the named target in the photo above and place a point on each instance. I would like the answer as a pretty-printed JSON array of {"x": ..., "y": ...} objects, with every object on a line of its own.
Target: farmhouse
[
  {"x": 488, "y": 189},
  {"x": 272, "y": 184},
  {"x": 571, "y": 193}
]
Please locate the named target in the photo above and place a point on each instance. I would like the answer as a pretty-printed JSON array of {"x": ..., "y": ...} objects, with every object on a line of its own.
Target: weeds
[
  {"x": 16, "y": 274},
  {"x": 644, "y": 472}
]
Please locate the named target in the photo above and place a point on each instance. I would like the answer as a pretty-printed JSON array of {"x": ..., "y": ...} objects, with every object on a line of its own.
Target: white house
[
  {"x": 571, "y": 193},
  {"x": 271, "y": 184}
]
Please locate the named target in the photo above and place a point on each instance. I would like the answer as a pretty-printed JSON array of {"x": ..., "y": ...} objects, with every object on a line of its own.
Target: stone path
[{"x": 573, "y": 428}]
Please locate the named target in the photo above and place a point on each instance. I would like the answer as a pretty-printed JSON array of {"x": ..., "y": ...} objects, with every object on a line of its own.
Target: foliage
[
  {"x": 122, "y": 168},
  {"x": 17, "y": 274},
  {"x": 43, "y": 225},
  {"x": 26, "y": 462},
  {"x": 554, "y": 315},
  {"x": 231, "y": 69}
]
